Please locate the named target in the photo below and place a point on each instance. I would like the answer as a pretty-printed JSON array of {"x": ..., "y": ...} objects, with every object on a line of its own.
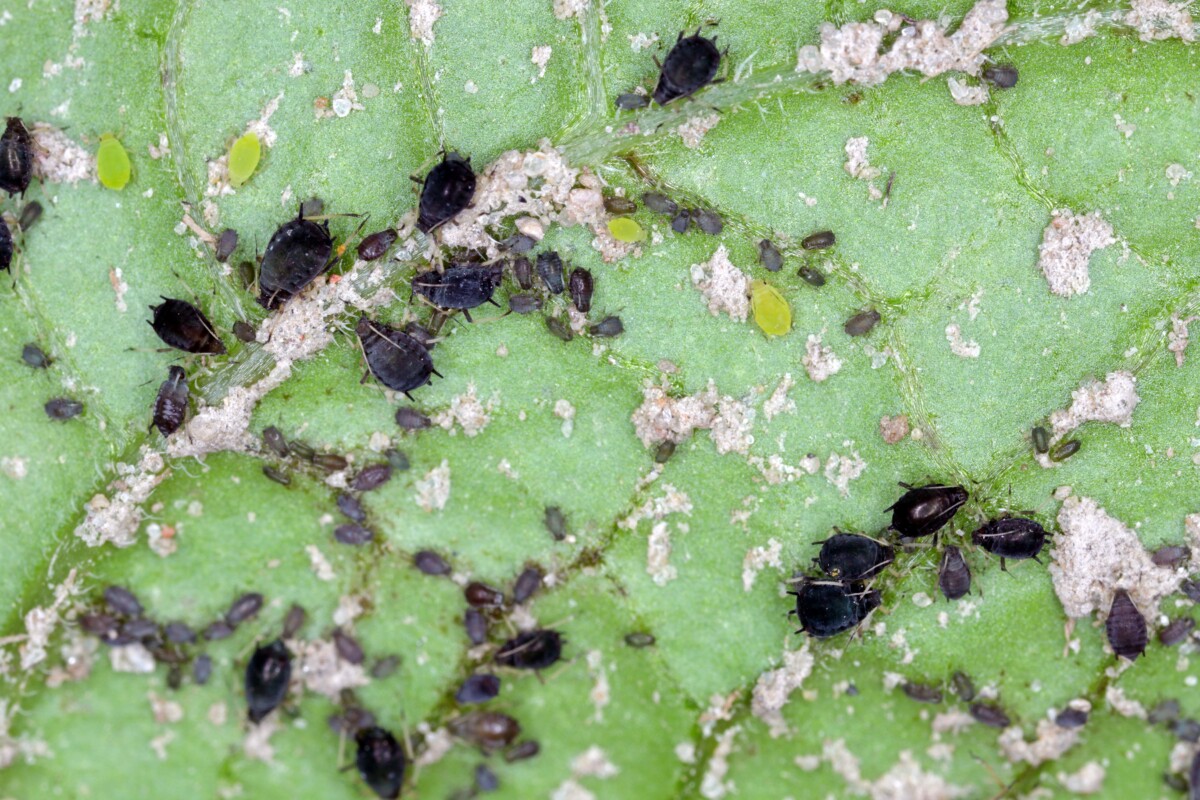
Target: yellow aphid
[
  {"x": 771, "y": 311},
  {"x": 625, "y": 229},
  {"x": 112, "y": 163},
  {"x": 243, "y": 158}
]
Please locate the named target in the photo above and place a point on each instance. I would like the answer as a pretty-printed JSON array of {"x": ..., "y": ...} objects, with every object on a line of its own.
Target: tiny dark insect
[
  {"x": 1194, "y": 778},
  {"x": 536, "y": 649},
  {"x": 639, "y": 639},
  {"x": 351, "y": 508},
  {"x": 297, "y": 254},
  {"x": 923, "y": 510},
  {"x": 280, "y": 477},
  {"x": 35, "y": 357},
  {"x": 555, "y": 522},
  {"x": 273, "y": 438},
  {"x": 294, "y": 620},
  {"x": 431, "y": 563},
  {"x": 523, "y": 750},
  {"x": 202, "y": 669},
  {"x": 487, "y": 730},
  {"x": 709, "y": 222},
  {"x": 217, "y": 631},
  {"x": 954, "y": 576},
  {"x": 245, "y": 607},
  {"x": 631, "y": 101},
  {"x": 1185, "y": 730},
  {"x": 140, "y": 628},
  {"x": 1064, "y": 450},
  {"x": 179, "y": 633},
  {"x": 607, "y": 328},
  {"x": 523, "y": 273},
  {"x": 385, "y": 667},
  {"x": 448, "y": 189},
  {"x": 485, "y": 779},
  {"x": 660, "y": 203},
  {"x": 1011, "y": 537},
  {"x": 1172, "y": 555},
  {"x": 519, "y": 243},
  {"x": 174, "y": 677},
  {"x": 380, "y": 761},
  {"x": 16, "y": 157},
  {"x": 580, "y": 287},
  {"x": 664, "y": 451},
  {"x": 267, "y": 676},
  {"x": 348, "y": 648},
  {"x": 459, "y": 287},
  {"x": 619, "y": 205},
  {"x": 371, "y": 477},
  {"x": 477, "y": 689},
  {"x": 769, "y": 256},
  {"x": 1191, "y": 590},
  {"x": 171, "y": 404},
  {"x": 476, "y": 626},
  {"x": 480, "y": 595},
  {"x": 550, "y": 270},
  {"x": 396, "y": 359},
  {"x": 1126, "y": 627},
  {"x": 244, "y": 331},
  {"x": 184, "y": 327},
  {"x": 1041, "y": 439},
  {"x": 853, "y": 556},
  {"x": 819, "y": 240},
  {"x": 527, "y": 583},
  {"x": 691, "y": 65},
  {"x": 63, "y": 408},
  {"x": 6, "y": 246},
  {"x": 122, "y": 601},
  {"x": 30, "y": 214},
  {"x": 1167, "y": 711},
  {"x": 411, "y": 420},
  {"x": 922, "y": 692},
  {"x": 1176, "y": 631},
  {"x": 162, "y": 653},
  {"x": 988, "y": 714},
  {"x": 559, "y": 328},
  {"x": 376, "y": 245},
  {"x": 862, "y": 323},
  {"x": 524, "y": 303},
  {"x": 827, "y": 608},
  {"x": 227, "y": 242},
  {"x": 680, "y": 222},
  {"x": 353, "y": 534},
  {"x": 1002, "y": 76},
  {"x": 330, "y": 462},
  {"x": 1071, "y": 718},
  {"x": 812, "y": 276},
  {"x": 963, "y": 686}
]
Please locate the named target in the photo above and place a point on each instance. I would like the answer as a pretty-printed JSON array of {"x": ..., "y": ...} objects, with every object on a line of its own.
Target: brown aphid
[
  {"x": 244, "y": 332},
  {"x": 664, "y": 451},
  {"x": 579, "y": 284},
  {"x": 348, "y": 648},
  {"x": 619, "y": 205},
  {"x": 639, "y": 639},
  {"x": 1176, "y": 631},
  {"x": 202, "y": 669},
  {"x": 1064, "y": 450},
  {"x": 245, "y": 607},
  {"x": 122, "y": 601},
  {"x": 371, "y": 477},
  {"x": 217, "y": 630},
  {"x": 353, "y": 534},
  {"x": 476, "y": 626},
  {"x": 273, "y": 439},
  {"x": 294, "y": 621},
  {"x": 812, "y": 276},
  {"x": 1002, "y": 76},
  {"x": 171, "y": 404},
  {"x": 62, "y": 409},
  {"x": 607, "y": 328},
  {"x": 227, "y": 242},
  {"x": 410, "y": 419},
  {"x": 556, "y": 523},
  {"x": 351, "y": 507},
  {"x": 819, "y": 240},
  {"x": 862, "y": 323},
  {"x": 991, "y": 715},
  {"x": 431, "y": 563},
  {"x": 30, "y": 214},
  {"x": 330, "y": 462},
  {"x": 480, "y": 595},
  {"x": 954, "y": 576},
  {"x": 280, "y": 477},
  {"x": 559, "y": 329},
  {"x": 522, "y": 750},
  {"x": 184, "y": 327},
  {"x": 1172, "y": 556},
  {"x": 522, "y": 269},
  {"x": 963, "y": 686},
  {"x": 16, "y": 157},
  {"x": 528, "y": 582},
  {"x": 376, "y": 245},
  {"x": 487, "y": 730},
  {"x": 1126, "y": 627},
  {"x": 922, "y": 692}
]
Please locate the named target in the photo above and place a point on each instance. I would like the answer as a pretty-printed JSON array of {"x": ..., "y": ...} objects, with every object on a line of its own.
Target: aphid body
[
  {"x": 772, "y": 313},
  {"x": 171, "y": 404},
  {"x": 691, "y": 65},
  {"x": 853, "y": 556},
  {"x": 16, "y": 157},
  {"x": 380, "y": 761},
  {"x": 954, "y": 576},
  {"x": 397, "y": 360},
  {"x": 536, "y": 649},
  {"x": 267, "y": 676},
  {"x": 459, "y": 287},
  {"x": 923, "y": 510},
  {"x": 298, "y": 252},
  {"x": 1126, "y": 627},
  {"x": 448, "y": 190},
  {"x": 827, "y": 608},
  {"x": 1011, "y": 537},
  {"x": 184, "y": 327}
]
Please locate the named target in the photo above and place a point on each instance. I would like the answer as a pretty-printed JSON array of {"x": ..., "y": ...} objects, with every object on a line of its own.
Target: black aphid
[
  {"x": 524, "y": 303},
  {"x": 812, "y": 276},
  {"x": 922, "y": 692},
  {"x": 954, "y": 576},
  {"x": 98, "y": 624},
  {"x": 660, "y": 203},
  {"x": 862, "y": 323},
  {"x": 523, "y": 750},
  {"x": 664, "y": 451},
  {"x": 481, "y": 595},
  {"x": 245, "y": 607},
  {"x": 607, "y": 328},
  {"x": 353, "y": 534},
  {"x": 550, "y": 270},
  {"x": 6, "y": 246},
  {"x": 827, "y": 608},
  {"x": 690, "y": 66},
  {"x": 476, "y": 626},
  {"x": 1126, "y": 627},
  {"x": 1172, "y": 555},
  {"x": 487, "y": 730},
  {"x": 631, "y": 101},
  {"x": 171, "y": 404},
  {"x": 350, "y": 507},
  {"x": 537, "y": 649},
  {"x": 411, "y": 420},
  {"x": 1191, "y": 590},
  {"x": 527, "y": 584},
  {"x": 330, "y": 462},
  {"x": 399, "y": 361},
  {"x": 202, "y": 669},
  {"x": 35, "y": 357},
  {"x": 1041, "y": 439},
  {"x": 1071, "y": 718},
  {"x": 485, "y": 779},
  {"x": 303, "y": 450},
  {"x": 179, "y": 633},
  {"x": 122, "y": 601},
  {"x": 371, "y": 477},
  {"x": 273, "y": 438},
  {"x": 267, "y": 676},
  {"x": 923, "y": 510},
  {"x": 963, "y": 686},
  {"x": 1064, "y": 450},
  {"x": 227, "y": 242},
  {"x": 380, "y": 761},
  {"x": 294, "y": 620},
  {"x": 477, "y": 689},
  {"x": 519, "y": 243},
  {"x": 709, "y": 222},
  {"x": 680, "y": 222},
  {"x": 461, "y": 287},
  {"x": 1185, "y": 730},
  {"x": 619, "y": 205},
  {"x": 853, "y": 556},
  {"x": 523, "y": 273},
  {"x": 1194, "y": 778},
  {"x": 279, "y": 476},
  {"x": 988, "y": 714},
  {"x": 559, "y": 328},
  {"x": 376, "y": 245},
  {"x": 819, "y": 240},
  {"x": 580, "y": 286},
  {"x": 244, "y": 331},
  {"x": 63, "y": 408},
  {"x": 431, "y": 563},
  {"x": 140, "y": 628},
  {"x": 348, "y": 648},
  {"x": 1164, "y": 712},
  {"x": 385, "y": 667},
  {"x": 769, "y": 256},
  {"x": 184, "y": 327},
  {"x": 1002, "y": 76},
  {"x": 555, "y": 522},
  {"x": 30, "y": 214},
  {"x": 16, "y": 157},
  {"x": 448, "y": 189},
  {"x": 1011, "y": 537},
  {"x": 217, "y": 631},
  {"x": 639, "y": 639},
  {"x": 298, "y": 252},
  {"x": 1176, "y": 631}
]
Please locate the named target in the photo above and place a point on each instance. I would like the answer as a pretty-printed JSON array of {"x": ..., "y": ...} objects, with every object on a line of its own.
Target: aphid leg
[
  {"x": 366, "y": 375},
  {"x": 493, "y": 302},
  {"x": 467, "y": 314},
  {"x": 1003, "y": 566},
  {"x": 440, "y": 375}
]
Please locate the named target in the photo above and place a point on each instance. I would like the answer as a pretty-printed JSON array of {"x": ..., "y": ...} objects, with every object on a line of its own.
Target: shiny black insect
[
  {"x": 555, "y": 522},
  {"x": 481, "y": 595},
  {"x": 812, "y": 276},
  {"x": 524, "y": 303},
  {"x": 690, "y": 66},
  {"x": 478, "y": 689},
  {"x": 519, "y": 243},
  {"x": 16, "y": 157},
  {"x": 411, "y": 420},
  {"x": 353, "y": 534},
  {"x": 708, "y": 221},
  {"x": 62, "y": 409},
  {"x": 245, "y": 607},
  {"x": 523, "y": 273},
  {"x": 122, "y": 601},
  {"x": 371, "y": 477},
  {"x": 827, "y": 608},
  {"x": 1011, "y": 537},
  {"x": 298, "y": 252},
  {"x": 923, "y": 510},
  {"x": 476, "y": 626},
  {"x": 954, "y": 576},
  {"x": 30, "y": 214},
  {"x": 527, "y": 583},
  {"x": 1126, "y": 627},
  {"x": 375, "y": 245},
  {"x": 607, "y": 328},
  {"x": 1177, "y": 631},
  {"x": 399, "y": 361},
  {"x": 619, "y": 205},
  {"x": 35, "y": 357},
  {"x": 680, "y": 222},
  {"x": 431, "y": 563},
  {"x": 537, "y": 649},
  {"x": 1002, "y": 76},
  {"x": 202, "y": 669},
  {"x": 819, "y": 240},
  {"x": 184, "y": 327},
  {"x": 1041, "y": 439},
  {"x": 448, "y": 189},
  {"x": 660, "y": 203},
  {"x": 487, "y": 730},
  {"x": 348, "y": 648},
  {"x": 1071, "y": 718},
  {"x": 862, "y": 323},
  {"x": 853, "y": 556},
  {"x": 769, "y": 256},
  {"x": 550, "y": 270},
  {"x": 380, "y": 761},
  {"x": 580, "y": 286},
  {"x": 631, "y": 101},
  {"x": 267, "y": 676},
  {"x": 6, "y": 246},
  {"x": 559, "y": 328},
  {"x": 459, "y": 287},
  {"x": 991, "y": 715},
  {"x": 227, "y": 242},
  {"x": 171, "y": 404}
]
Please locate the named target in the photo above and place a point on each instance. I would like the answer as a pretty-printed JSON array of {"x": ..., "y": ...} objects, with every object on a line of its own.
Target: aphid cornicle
[
  {"x": 16, "y": 157},
  {"x": 691, "y": 65},
  {"x": 827, "y": 608},
  {"x": 6, "y": 246},
  {"x": 267, "y": 676},
  {"x": 170, "y": 407},
  {"x": 550, "y": 270},
  {"x": 397, "y": 360},
  {"x": 299, "y": 251},
  {"x": 460, "y": 287},
  {"x": 1011, "y": 537},
  {"x": 380, "y": 761},
  {"x": 954, "y": 576},
  {"x": 448, "y": 189},
  {"x": 853, "y": 556},
  {"x": 184, "y": 327},
  {"x": 1126, "y": 627},
  {"x": 923, "y": 510},
  {"x": 536, "y": 649}
]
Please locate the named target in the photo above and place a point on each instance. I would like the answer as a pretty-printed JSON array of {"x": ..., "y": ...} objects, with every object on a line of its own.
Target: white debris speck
[
  {"x": 565, "y": 9},
  {"x": 819, "y": 360},
  {"x": 971, "y": 304},
  {"x": 959, "y": 346},
  {"x": 422, "y": 14},
  {"x": 1127, "y": 129},
  {"x": 570, "y": 789},
  {"x": 1115, "y": 697},
  {"x": 773, "y": 688},
  {"x": 57, "y": 159},
  {"x": 218, "y": 713},
  {"x": 164, "y": 711},
  {"x": 726, "y": 287},
  {"x": 437, "y": 744},
  {"x": 732, "y": 425},
  {"x": 159, "y": 744},
  {"x": 857, "y": 164},
  {"x": 966, "y": 95},
  {"x": 1177, "y": 173},
  {"x": 779, "y": 402},
  {"x": 14, "y": 467},
  {"x": 319, "y": 667},
  {"x": 759, "y": 558},
  {"x": 566, "y": 412},
  {"x": 131, "y": 658},
  {"x": 257, "y": 744},
  {"x": 893, "y": 429},
  {"x": 41, "y": 621},
  {"x": 1067, "y": 245},
  {"x": 593, "y": 763},
  {"x": 298, "y": 66},
  {"x": 907, "y": 781},
  {"x": 116, "y": 519},
  {"x": 467, "y": 412},
  {"x": 692, "y": 132},
  {"x": 540, "y": 57},
  {"x": 14, "y": 86},
  {"x": 1089, "y": 779},
  {"x": 434, "y": 489},
  {"x": 840, "y": 470},
  {"x": 319, "y": 563},
  {"x": 1052, "y": 741},
  {"x": 922, "y": 600},
  {"x": 640, "y": 41},
  {"x": 1111, "y": 400},
  {"x": 661, "y": 418},
  {"x": 470, "y": 88},
  {"x": 1177, "y": 337},
  {"x": 658, "y": 555},
  {"x": 1159, "y": 19},
  {"x": 599, "y": 694},
  {"x": 120, "y": 287},
  {"x": 954, "y": 721},
  {"x": 713, "y": 785}
]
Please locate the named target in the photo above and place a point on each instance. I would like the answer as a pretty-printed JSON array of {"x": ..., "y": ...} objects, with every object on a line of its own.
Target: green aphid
[
  {"x": 243, "y": 158},
  {"x": 624, "y": 229},
  {"x": 771, "y": 310},
  {"x": 112, "y": 163}
]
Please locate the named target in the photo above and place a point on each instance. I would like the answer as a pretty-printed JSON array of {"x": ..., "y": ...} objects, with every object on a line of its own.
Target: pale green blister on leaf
[
  {"x": 112, "y": 163},
  {"x": 243, "y": 158}
]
